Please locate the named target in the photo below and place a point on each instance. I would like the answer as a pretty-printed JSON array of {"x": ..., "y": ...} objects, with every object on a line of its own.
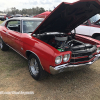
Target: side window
[{"x": 14, "y": 25}]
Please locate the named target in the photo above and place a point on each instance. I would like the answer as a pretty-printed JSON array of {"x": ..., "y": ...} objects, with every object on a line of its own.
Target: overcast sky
[{"x": 19, "y": 4}]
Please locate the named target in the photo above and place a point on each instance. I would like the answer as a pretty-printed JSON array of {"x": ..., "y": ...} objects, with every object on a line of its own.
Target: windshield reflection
[
  {"x": 95, "y": 18},
  {"x": 30, "y": 25}
]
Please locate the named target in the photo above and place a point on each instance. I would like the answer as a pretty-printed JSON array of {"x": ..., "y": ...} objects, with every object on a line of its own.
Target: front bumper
[{"x": 67, "y": 67}]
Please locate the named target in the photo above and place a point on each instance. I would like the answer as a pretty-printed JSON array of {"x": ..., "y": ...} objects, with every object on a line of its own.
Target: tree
[
  {"x": 31, "y": 11},
  {"x": 13, "y": 10},
  {"x": 41, "y": 10}
]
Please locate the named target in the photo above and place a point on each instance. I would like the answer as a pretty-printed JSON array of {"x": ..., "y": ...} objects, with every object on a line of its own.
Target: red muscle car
[{"x": 48, "y": 43}]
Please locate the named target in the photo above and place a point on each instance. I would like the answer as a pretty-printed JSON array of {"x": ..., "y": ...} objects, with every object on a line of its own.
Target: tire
[
  {"x": 98, "y": 37},
  {"x": 36, "y": 69},
  {"x": 3, "y": 46}
]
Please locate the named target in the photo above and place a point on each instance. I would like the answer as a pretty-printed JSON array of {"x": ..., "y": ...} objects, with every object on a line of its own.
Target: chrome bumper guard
[{"x": 67, "y": 67}]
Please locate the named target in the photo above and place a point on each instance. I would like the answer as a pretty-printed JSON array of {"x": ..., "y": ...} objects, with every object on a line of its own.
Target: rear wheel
[
  {"x": 36, "y": 69},
  {"x": 3, "y": 46}
]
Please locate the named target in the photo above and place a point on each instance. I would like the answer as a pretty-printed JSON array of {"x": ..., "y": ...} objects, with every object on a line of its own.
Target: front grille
[
  {"x": 79, "y": 56},
  {"x": 83, "y": 54},
  {"x": 80, "y": 59}
]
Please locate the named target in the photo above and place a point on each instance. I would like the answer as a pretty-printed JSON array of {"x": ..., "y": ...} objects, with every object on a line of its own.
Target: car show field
[
  {"x": 74, "y": 85},
  {"x": 41, "y": 59}
]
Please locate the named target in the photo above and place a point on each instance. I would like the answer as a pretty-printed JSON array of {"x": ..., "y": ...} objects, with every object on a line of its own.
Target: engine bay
[{"x": 64, "y": 42}]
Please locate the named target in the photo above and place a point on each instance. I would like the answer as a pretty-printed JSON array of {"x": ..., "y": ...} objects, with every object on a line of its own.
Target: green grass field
[{"x": 1, "y": 21}]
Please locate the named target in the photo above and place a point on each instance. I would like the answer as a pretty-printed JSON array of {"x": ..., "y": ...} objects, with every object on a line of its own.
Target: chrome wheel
[
  {"x": 1, "y": 45},
  {"x": 34, "y": 67}
]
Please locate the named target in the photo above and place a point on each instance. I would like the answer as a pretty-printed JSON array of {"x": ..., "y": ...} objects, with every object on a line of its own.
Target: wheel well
[
  {"x": 28, "y": 53},
  {"x": 95, "y": 35}
]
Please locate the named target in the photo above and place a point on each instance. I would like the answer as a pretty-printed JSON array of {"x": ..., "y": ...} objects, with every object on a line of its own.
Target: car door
[
  {"x": 14, "y": 34},
  {"x": 3, "y": 31},
  {"x": 84, "y": 29}
]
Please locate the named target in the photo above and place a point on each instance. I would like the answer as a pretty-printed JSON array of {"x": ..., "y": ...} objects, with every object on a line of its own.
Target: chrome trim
[
  {"x": 36, "y": 56},
  {"x": 17, "y": 52},
  {"x": 14, "y": 20},
  {"x": 25, "y": 57},
  {"x": 98, "y": 55},
  {"x": 22, "y": 26},
  {"x": 64, "y": 67}
]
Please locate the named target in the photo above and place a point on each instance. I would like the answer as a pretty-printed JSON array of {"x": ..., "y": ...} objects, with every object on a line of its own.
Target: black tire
[
  {"x": 3, "y": 46},
  {"x": 98, "y": 37},
  {"x": 36, "y": 69}
]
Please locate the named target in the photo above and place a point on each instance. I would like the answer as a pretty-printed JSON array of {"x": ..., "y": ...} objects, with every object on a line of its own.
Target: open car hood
[{"x": 67, "y": 16}]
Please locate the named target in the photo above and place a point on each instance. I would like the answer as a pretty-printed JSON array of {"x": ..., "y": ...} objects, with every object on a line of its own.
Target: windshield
[
  {"x": 30, "y": 25},
  {"x": 95, "y": 18}
]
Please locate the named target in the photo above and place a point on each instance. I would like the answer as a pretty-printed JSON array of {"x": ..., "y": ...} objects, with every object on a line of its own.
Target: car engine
[{"x": 63, "y": 42}]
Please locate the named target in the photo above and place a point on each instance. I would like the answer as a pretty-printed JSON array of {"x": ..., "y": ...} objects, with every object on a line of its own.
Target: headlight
[
  {"x": 98, "y": 49},
  {"x": 66, "y": 57},
  {"x": 58, "y": 60}
]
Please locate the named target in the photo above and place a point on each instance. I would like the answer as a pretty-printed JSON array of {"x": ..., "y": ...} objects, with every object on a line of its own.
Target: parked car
[
  {"x": 8, "y": 16},
  {"x": 43, "y": 15},
  {"x": 2, "y": 17},
  {"x": 17, "y": 15},
  {"x": 90, "y": 28},
  {"x": 48, "y": 44}
]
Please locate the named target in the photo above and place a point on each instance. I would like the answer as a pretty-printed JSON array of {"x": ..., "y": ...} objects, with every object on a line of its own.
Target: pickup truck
[{"x": 91, "y": 27}]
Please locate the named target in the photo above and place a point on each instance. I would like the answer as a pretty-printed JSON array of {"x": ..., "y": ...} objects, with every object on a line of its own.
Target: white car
[{"x": 90, "y": 28}]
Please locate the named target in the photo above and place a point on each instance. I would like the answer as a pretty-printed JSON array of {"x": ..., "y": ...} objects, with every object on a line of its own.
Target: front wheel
[
  {"x": 36, "y": 69},
  {"x": 3, "y": 46}
]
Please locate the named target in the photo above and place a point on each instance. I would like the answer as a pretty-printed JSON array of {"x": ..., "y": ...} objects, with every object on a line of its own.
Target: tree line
[{"x": 31, "y": 11}]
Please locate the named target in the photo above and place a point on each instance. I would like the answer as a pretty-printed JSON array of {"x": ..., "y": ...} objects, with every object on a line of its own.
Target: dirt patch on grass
[{"x": 82, "y": 84}]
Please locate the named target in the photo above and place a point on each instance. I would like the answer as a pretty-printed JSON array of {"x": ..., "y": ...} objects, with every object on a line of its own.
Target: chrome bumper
[{"x": 67, "y": 67}]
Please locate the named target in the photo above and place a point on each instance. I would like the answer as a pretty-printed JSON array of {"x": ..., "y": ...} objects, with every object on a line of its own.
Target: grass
[
  {"x": 11, "y": 61},
  {"x": 1, "y": 22}
]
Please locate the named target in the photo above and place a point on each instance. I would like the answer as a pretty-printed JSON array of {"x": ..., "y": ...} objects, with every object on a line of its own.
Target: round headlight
[
  {"x": 58, "y": 59},
  {"x": 98, "y": 49},
  {"x": 66, "y": 57}
]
